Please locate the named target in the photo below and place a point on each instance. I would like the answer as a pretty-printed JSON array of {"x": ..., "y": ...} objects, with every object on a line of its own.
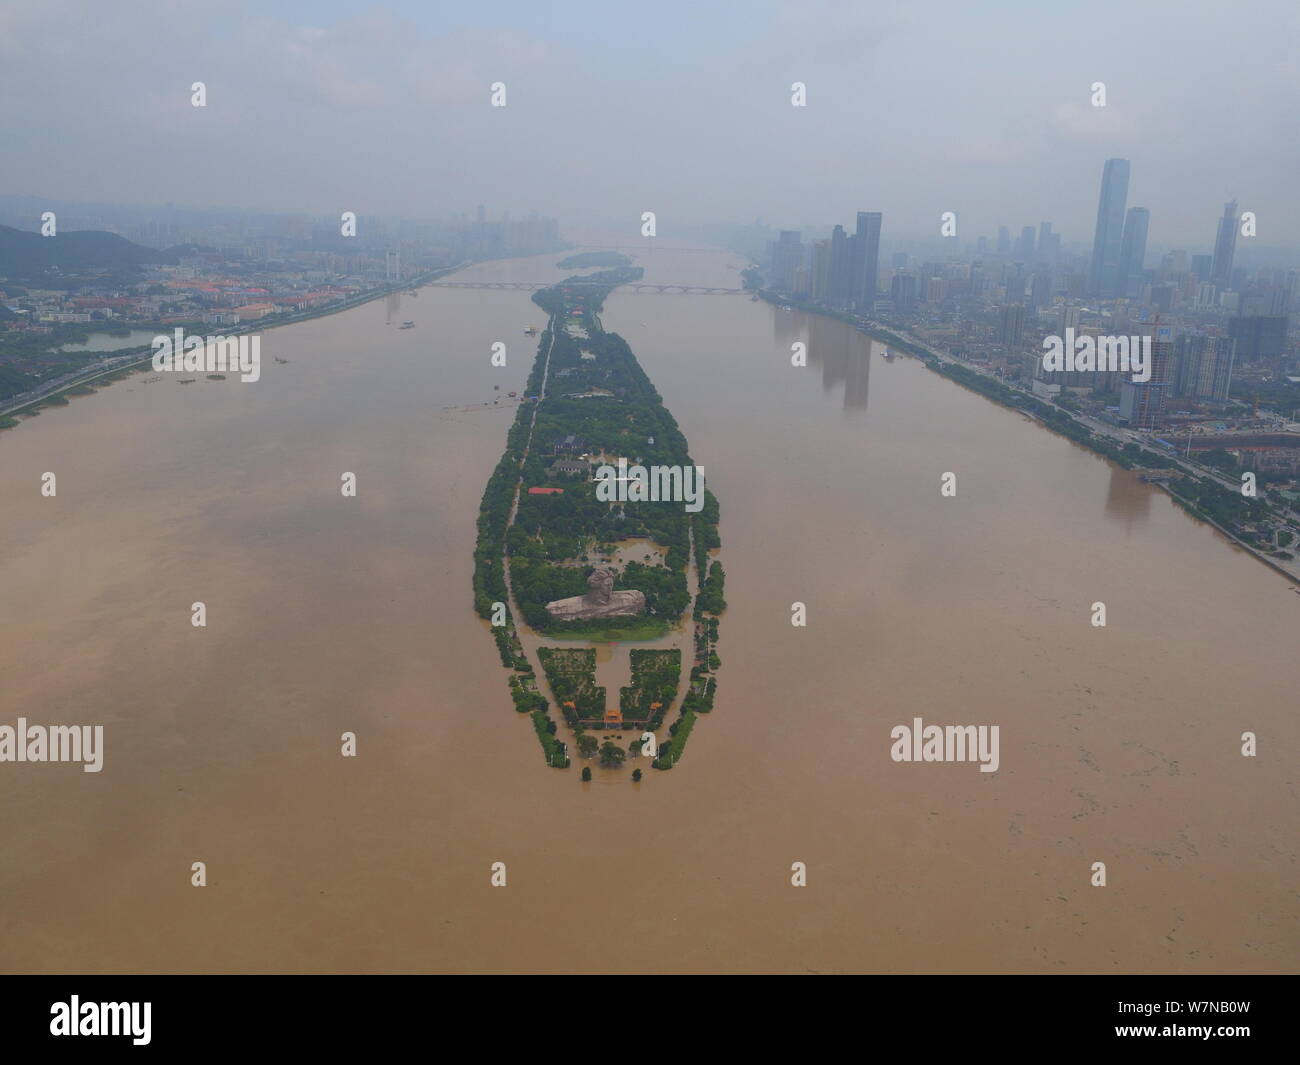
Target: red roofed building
[
  {"x": 545, "y": 491},
  {"x": 250, "y": 311}
]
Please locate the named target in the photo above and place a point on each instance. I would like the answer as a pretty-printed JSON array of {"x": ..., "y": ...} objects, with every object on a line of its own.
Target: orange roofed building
[{"x": 250, "y": 311}]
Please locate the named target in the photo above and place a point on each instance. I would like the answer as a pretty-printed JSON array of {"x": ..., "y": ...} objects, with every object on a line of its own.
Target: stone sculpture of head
[{"x": 600, "y": 585}]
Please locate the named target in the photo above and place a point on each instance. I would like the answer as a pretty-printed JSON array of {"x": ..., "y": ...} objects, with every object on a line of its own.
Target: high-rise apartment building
[
  {"x": 1203, "y": 367},
  {"x": 1011, "y": 329},
  {"x": 1049, "y": 244},
  {"x": 866, "y": 259},
  {"x": 1142, "y": 402},
  {"x": 1014, "y": 281},
  {"x": 1040, "y": 289},
  {"x": 902, "y": 290},
  {"x": 1258, "y": 336},
  {"x": 840, "y": 269},
  {"x": 821, "y": 271},
  {"x": 787, "y": 257},
  {"x": 1025, "y": 246}
]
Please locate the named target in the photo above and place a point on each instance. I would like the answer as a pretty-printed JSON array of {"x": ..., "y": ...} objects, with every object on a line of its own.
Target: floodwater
[
  {"x": 109, "y": 342},
  {"x": 328, "y": 614}
]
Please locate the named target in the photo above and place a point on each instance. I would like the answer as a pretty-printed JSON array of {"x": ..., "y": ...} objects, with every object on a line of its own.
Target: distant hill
[{"x": 25, "y": 254}]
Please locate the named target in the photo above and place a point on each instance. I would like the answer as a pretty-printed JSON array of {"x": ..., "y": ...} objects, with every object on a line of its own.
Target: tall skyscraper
[
  {"x": 1025, "y": 245},
  {"x": 1015, "y": 283},
  {"x": 821, "y": 271},
  {"x": 787, "y": 257},
  {"x": 1004, "y": 241},
  {"x": 1225, "y": 243},
  {"x": 866, "y": 259},
  {"x": 1103, "y": 274},
  {"x": 840, "y": 271},
  {"x": 1133, "y": 251},
  {"x": 1049, "y": 244},
  {"x": 802, "y": 280},
  {"x": 1040, "y": 289}
]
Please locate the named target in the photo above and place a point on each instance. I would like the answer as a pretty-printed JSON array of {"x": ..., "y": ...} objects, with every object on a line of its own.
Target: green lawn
[{"x": 643, "y": 628}]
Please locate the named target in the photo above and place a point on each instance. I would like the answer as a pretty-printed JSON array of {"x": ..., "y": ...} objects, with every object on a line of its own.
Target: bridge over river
[{"x": 639, "y": 288}]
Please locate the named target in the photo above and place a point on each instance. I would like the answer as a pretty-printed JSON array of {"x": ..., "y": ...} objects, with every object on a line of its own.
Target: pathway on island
[{"x": 523, "y": 633}]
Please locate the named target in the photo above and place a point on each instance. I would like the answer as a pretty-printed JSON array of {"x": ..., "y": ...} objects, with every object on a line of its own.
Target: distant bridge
[
  {"x": 647, "y": 248},
  {"x": 638, "y": 288}
]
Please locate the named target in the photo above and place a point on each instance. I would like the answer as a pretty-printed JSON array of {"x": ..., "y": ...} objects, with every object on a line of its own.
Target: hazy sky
[{"x": 684, "y": 109}]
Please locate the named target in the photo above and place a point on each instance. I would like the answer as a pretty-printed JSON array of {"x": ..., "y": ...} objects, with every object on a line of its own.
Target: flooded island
[{"x": 596, "y": 526}]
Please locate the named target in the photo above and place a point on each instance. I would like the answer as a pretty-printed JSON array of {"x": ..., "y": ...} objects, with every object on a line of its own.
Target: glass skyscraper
[
  {"x": 1133, "y": 251},
  {"x": 1225, "y": 243},
  {"x": 1103, "y": 275}
]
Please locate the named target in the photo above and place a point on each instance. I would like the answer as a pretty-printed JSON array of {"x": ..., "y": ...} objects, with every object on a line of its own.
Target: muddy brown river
[{"x": 328, "y": 614}]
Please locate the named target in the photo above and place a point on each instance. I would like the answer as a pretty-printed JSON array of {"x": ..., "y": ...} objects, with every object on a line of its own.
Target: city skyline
[
  {"x": 1124, "y": 229},
  {"x": 411, "y": 86}
]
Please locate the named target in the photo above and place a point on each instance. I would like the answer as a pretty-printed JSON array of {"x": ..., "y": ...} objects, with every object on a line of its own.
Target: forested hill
[{"x": 25, "y": 254}]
